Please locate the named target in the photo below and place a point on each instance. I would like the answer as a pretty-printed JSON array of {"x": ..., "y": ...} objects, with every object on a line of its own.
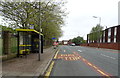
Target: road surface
[{"x": 85, "y": 61}]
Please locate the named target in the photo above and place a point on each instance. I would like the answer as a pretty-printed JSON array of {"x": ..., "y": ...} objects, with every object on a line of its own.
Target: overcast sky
[{"x": 80, "y": 18}]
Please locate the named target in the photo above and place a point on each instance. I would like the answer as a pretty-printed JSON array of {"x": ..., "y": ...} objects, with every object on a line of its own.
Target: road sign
[{"x": 53, "y": 38}]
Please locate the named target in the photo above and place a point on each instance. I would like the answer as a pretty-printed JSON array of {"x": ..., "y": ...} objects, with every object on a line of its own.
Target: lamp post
[
  {"x": 99, "y": 19},
  {"x": 98, "y": 36},
  {"x": 39, "y": 31}
]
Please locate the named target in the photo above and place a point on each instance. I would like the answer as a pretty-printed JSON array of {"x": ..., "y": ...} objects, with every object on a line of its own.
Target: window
[{"x": 21, "y": 39}]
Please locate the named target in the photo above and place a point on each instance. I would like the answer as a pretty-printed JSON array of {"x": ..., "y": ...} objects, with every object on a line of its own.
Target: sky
[{"x": 80, "y": 21}]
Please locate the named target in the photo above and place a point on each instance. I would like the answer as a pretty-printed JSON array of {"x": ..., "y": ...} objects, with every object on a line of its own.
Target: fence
[
  {"x": 13, "y": 46},
  {"x": 9, "y": 42}
]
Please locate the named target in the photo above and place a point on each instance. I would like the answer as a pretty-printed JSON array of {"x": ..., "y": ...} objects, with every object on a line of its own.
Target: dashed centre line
[
  {"x": 64, "y": 50},
  {"x": 95, "y": 67},
  {"x": 80, "y": 50},
  {"x": 108, "y": 56}
]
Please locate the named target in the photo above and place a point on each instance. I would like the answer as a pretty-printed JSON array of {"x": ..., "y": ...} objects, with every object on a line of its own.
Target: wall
[
  {"x": 6, "y": 42},
  {"x": 115, "y": 46},
  {"x": 9, "y": 43}
]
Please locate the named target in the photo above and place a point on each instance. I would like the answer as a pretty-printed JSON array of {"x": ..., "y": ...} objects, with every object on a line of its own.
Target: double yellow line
[
  {"x": 55, "y": 57},
  {"x": 49, "y": 70},
  {"x": 51, "y": 66}
]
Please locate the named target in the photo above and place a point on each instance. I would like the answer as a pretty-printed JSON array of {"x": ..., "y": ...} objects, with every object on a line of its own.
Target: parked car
[{"x": 72, "y": 44}]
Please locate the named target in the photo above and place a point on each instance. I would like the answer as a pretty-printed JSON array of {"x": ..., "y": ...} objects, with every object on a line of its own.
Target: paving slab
[{"x": 29, "y": 66}]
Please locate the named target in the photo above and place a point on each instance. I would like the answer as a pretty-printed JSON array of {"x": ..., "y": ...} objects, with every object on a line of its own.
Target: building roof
[
  {"x": 31, "y": 30},
  {"x": 65, "y": 40}
]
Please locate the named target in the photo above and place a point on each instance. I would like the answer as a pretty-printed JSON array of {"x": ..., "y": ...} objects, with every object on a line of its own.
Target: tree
[
  {"x": 52, "y": 20},
  {"x": 48, "y": 15},
  {"x": 4, "y": 28},
  {"x": 78, "y": 40},
  {"x": 18, "y": 12},
  {"x": 95, "y": 33}
]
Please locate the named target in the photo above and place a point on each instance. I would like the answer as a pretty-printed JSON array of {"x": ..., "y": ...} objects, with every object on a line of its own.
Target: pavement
[
  {"x": 28, "y": 67},
  {"x": 84, "y": 62}
]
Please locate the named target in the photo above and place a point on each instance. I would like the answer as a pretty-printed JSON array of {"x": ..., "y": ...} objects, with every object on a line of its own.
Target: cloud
[{"x": 80, "y": 18}]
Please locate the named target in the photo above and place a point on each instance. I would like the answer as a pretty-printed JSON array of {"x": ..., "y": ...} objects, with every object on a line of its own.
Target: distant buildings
[{"x": 65, "y": 42}]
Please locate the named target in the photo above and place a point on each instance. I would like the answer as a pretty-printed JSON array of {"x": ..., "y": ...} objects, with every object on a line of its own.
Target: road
[{"x": 85, "y": 61}]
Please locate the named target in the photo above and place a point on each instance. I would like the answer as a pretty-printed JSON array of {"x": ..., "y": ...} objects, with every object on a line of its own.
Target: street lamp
[
  {"x": 39, "y": 31},
  {"x": 99, "y": 19},
  {"x": 99, "y": 30}
]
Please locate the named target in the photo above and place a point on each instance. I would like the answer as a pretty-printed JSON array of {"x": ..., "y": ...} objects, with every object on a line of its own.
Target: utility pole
[{"x": 39, "y": 31}]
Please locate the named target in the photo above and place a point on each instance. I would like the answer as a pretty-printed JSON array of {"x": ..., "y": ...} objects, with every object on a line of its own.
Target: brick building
[
  {"x": 65, "y": 42},
  {"x": 110, "y": 39}
]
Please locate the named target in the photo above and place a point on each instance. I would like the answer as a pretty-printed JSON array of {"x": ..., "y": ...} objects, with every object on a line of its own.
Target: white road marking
[
  {"x": 112, "y": 58},
  {"x": 79, "y": 50},
  {"x": 108, "y": 56}
]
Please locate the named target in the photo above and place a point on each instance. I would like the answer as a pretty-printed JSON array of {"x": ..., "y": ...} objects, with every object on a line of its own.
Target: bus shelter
[{"x": 29, "y": 41}]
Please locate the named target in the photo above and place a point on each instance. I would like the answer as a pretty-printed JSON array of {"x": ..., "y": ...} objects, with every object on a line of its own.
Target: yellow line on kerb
[
  {"x": 51, "y": 66},
  {"x": 56, "y": 54},
  {"x": 49, "y": 70}
]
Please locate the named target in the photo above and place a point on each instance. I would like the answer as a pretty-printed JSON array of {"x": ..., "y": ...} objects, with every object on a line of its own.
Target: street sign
[{"x": 53, "y": 38}]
